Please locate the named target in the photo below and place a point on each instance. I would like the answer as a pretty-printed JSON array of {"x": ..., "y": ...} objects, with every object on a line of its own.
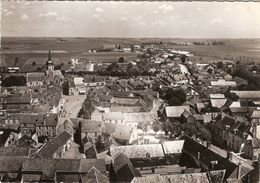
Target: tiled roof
[
  {"x": 248, "y": 94},
  {"x": 123, "y": 132},
  {"x": 176, "y": 111},
  {"x": 256, "y": 114},
  {"x": 35, "y": 76},
  {"x": 140, "y": 117},
  {"x": 124, "y": 100},
  {"x": 11, "y": 164},
  {"x": 48, "y": 166},
  {"x": 173, "y": 147},
  {"x": 48, "y": 150},
  {"x": 94, "y": 176},
  {"x": 218, "y": 103},
  {"x": 38, "y": 119},
  {"x": 138, "y": 151},
  {"x": 183, "y": 178},
  {"x": 88, "y": 126},
  {"x": 13, "y": 151}
]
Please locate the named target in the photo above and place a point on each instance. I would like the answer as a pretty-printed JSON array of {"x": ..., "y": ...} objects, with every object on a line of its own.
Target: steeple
[
  {"x": 50, "y": 64},
  {"x": 49, "y": 55}
]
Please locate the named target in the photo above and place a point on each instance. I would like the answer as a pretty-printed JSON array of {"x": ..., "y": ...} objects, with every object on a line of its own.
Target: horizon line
[{"x": 104, "y": 37}]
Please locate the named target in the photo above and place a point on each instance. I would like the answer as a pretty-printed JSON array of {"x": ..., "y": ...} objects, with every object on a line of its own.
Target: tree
[
  {"x": 113, "y": 67},
  {"x": 183, "y": 58},
  {"x": 210, "y": 71},
  {"x": 174, "y": 101},
  {"x": 65, "y": 88},
  {"x": 175, "y": 96},
  {"x": 16, "y": 61},
  {"x": 220, "y": 65},
  {"x": 129, "y": 67},
  {"x": 121, "y": 60},
  {"x": 59, "y": 66},
  {"x": 14, "y": 81},
  {"x": 231, "y": 95},
  {"x": 156, "y": 126},
  {"x": 254, "y": 68},
  {"x": 99, "y": 144}
]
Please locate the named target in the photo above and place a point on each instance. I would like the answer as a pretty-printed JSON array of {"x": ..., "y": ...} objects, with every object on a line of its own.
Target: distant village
[{"x": 161, "y": 116}]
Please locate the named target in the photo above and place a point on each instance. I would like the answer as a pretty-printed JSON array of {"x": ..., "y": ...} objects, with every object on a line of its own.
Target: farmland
[{"x": 65, "y": 48}]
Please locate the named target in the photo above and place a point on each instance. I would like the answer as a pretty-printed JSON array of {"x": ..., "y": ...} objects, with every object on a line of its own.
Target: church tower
[{"x": 50, "y": 64}]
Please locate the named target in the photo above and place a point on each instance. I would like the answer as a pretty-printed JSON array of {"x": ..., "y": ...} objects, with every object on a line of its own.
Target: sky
[{"x": 130, "y": 19}]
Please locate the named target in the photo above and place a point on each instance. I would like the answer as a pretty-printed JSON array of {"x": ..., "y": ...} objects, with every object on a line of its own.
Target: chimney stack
[
  {"x": 208, "y": 144},
  {"x": 229, "y": 155}
]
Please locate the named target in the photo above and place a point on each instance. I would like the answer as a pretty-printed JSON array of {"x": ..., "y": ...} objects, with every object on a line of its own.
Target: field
[{"x": 66, "y": 48}]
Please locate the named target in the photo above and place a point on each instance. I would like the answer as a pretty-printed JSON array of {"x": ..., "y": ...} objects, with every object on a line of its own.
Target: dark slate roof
[
  {"x": 48, "y": 150},
  {"x": 207, "y": 155},
  {"x": 38, "y": 119},
  {"x": 66, "y": 169},
  {"x": 124, "y": 169}
]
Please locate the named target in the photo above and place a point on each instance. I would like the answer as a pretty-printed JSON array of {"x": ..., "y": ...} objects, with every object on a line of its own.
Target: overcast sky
[{"x": 131, "y": 19}]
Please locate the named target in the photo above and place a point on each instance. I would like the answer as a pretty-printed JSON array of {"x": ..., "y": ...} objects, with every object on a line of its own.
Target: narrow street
[{"x": 72, "y": 106}]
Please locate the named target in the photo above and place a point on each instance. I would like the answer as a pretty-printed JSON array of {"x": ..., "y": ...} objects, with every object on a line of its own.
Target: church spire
[{"x": 49, "y": 55}]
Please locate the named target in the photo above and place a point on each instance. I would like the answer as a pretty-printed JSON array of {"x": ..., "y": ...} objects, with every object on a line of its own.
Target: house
[
  {"x": 196, "y": 154},
  {"x": 238, "y": 135},
  {"x": 187, "y": 117},
  {"x": 59, "y": 170},
  {"x": 192, "y": 177},
  {"x": 125, "y": 134},
  {"x": 94, "y": 81},
  {"x": 123, "y": 169},
  {"x": 14, "y": 151},
  {"x": 180, "y": 79},
  {"x": 94, "y": 175},
  {"x": 166, "y": 148},
  {"x": 89, "y": 129},
  {"x": 223, "y": 83},
  {"x": 79, "y": 86},
  {"x": 240, "y": 81},
  {"x": 176, "y": 111},
  {"x": 35, "y": 79},
  {"x": 56, "y": 148},
  {"x": 10, "y": 168},
  {"x": 247, "y": 95},
  {"x": 109, "y": 47},
  {"x": 42, "y": 124},
  {"x": 16, "y": 104}
]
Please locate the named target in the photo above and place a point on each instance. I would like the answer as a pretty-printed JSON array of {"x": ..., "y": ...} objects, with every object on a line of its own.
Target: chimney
[
  {"x": 229, "y": 155},
  {"x": 208, "y": 144}
]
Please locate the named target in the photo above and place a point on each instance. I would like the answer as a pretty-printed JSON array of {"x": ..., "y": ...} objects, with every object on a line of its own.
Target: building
[
  {"x": 55, "y": 148},
  {"x": 61, "y": 170},
  {"x": 35, "y": 79}
]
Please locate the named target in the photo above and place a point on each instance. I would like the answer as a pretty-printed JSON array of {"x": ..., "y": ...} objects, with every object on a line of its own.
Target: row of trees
[
  {"x": 176, "y": 128},
  {"x": 14, "y": 81}
]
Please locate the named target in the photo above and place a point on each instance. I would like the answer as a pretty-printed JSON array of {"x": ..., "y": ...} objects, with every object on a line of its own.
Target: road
[{"x": 72, "y": 106}]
